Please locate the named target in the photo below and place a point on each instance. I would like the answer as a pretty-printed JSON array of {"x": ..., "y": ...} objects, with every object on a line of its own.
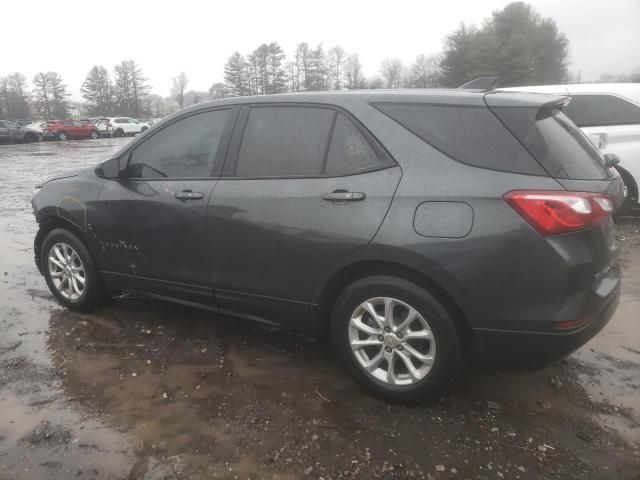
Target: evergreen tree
[
  {"x": 236, "y": 76},
  {"x": 97, "y": 90},
  {"x": 516, "y": 44},
  {"x": 316, "y": 72},
  {"x": 218, "y": 91},
  {"x": 51, "y": 96},
  {"x": 277, "y": 76},
  {"x": 130, "y": 87}
]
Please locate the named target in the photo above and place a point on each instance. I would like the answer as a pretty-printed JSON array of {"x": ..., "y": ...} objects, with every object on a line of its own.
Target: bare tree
[
  {"x": 353, "y": 72},
  {"x": 336, "y": 67},
  {"x": 391, "y": 70},
  {"x": 425, "y": 71},
  {"x": 180, "y": 83},
  {"x": 14, "y": 99}
]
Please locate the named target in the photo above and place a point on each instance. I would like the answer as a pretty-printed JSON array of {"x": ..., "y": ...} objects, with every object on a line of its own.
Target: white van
[{"x": 609, "y": 113}]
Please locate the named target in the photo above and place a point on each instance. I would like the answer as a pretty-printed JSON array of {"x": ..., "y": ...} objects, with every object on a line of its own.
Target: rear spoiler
[{"x": 483, "y": 83}]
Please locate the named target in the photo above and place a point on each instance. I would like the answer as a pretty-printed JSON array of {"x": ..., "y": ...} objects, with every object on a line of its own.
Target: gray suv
[{"x": 413, "y": 227}]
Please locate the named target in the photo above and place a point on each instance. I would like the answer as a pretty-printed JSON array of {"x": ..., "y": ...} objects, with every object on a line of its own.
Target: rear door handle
[
  {"x": 343, "y": 197},
  {"x": 189, "y": 195}
]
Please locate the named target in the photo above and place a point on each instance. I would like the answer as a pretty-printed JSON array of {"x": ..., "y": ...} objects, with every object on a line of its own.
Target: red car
[{"x": 66, "y": 129}]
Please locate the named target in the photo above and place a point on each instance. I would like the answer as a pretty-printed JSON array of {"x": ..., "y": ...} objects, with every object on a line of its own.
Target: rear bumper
[{"x": 517, "y": 350}]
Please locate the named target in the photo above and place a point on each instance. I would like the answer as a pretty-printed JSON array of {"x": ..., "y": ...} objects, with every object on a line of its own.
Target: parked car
[
  {"x": 10, "y": 132},
  {"x": 609, "y": 113},
  {"x": 125, "y": 126},
  {"x": 23, "y": 123},
  {"x": 37, "y": 126},
  {"x": 102, "y": 124},
  {"x": 67, "y": 129},
  {"x": 411, "y": 226}
]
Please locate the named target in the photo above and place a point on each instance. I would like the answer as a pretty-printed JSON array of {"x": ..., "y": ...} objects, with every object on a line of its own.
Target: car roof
[
  {"x": 346, "y": 97},
  {"x": 628, "y": 90}
]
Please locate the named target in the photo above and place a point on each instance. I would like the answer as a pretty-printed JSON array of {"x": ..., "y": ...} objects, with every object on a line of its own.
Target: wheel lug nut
[
  {"x": 400, "y": 347},
  {"x": 399, "y": 335},
  {"x": 388, "y": 349},
  {"x": 381, "y": 338},
  {"x": 387, "y": 329}
]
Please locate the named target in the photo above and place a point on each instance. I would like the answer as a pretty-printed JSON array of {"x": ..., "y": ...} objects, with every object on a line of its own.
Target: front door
[
  {"x": 294, "y": 200},
  {"x": 151, "y": 228}
]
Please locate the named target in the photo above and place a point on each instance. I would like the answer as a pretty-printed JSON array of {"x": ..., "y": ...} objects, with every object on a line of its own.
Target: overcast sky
[{"x": 165, "y": 37}]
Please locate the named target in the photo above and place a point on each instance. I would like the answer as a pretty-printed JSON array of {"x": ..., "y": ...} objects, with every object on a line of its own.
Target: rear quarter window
[{"x": 468, "y": 134}]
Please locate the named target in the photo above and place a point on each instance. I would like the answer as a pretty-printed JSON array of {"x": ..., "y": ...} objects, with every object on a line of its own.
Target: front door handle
[
  {"x": 189, "y": 195},
  {"x": 342, "y": 196}
]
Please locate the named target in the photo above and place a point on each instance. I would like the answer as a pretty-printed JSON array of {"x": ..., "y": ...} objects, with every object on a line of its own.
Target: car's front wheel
[
  {"x": 94, "y": 134},
  {"x": 62, "y": 136},
  {"x": 30, "y": 138},
  {"x": 70, "y": 272},
  {"x": 398, "y": 340}
]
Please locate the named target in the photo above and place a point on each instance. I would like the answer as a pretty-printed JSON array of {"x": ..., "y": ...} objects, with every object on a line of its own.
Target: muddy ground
[{"x": 147, "y": 390}]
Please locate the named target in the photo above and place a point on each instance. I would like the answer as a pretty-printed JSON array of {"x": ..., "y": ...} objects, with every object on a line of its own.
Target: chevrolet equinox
[{"x": 410, "y": 226}]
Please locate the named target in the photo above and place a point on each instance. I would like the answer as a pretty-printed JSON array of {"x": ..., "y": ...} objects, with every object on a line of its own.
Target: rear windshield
[
  {"x": 469, "y": 134},
  {"x": 555, "y": 141}
]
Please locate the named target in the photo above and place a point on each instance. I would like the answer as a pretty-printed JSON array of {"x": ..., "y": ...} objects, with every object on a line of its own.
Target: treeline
[
  {"x": 126, "y": 92},
  {"x": 515, "y": 44}
]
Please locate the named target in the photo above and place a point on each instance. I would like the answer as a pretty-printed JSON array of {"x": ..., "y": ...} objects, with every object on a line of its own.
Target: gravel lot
[{"x": 142, "y": 389}]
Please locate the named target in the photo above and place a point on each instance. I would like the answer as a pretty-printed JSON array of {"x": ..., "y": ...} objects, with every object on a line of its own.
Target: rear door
[
  {"x": 302, "y": 188},
  {"x": 151, "y": 224}
]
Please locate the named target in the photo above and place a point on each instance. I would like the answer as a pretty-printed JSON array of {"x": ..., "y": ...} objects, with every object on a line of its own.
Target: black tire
[
  {"x": 94, "y": 134},
  {"x": 118, "y": 133},
  {"x": 448, "y": 357},
  {"x": 93, "y": 292},
  {"x": 62, "y": 136},
  {"x": 30, "y": 138}
]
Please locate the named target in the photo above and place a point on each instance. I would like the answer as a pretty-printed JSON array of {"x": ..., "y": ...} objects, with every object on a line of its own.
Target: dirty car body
[{"x": 435, "y": 191}]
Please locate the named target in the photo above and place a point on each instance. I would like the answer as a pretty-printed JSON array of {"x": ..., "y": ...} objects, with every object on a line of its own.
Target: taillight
[{"x": 556, "y": 212}]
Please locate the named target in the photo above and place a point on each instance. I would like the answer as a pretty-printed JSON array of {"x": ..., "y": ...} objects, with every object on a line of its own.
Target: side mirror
[
  {"x": 111, "y": 168},
  {"x": 611, "y": 160}
]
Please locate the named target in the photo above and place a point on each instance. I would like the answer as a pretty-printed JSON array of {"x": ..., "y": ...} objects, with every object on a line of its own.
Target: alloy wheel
[
  {"x": 392, "y": 341},
  {"x": 66, "y": 271}
]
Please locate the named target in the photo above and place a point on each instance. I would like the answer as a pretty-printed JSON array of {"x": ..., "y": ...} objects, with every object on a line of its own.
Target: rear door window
[
  {"x": 284, "y": 141},
  {"x": 186, "y": 148},
  {"x": 602, "y": 110},
  {"x": 468, "y": 134}
]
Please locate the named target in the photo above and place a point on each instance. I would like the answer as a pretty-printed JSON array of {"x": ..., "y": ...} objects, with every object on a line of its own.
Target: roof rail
[{"x": 482, "y": 83}]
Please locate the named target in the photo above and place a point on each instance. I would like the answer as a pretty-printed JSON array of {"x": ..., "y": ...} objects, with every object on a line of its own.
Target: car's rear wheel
[
  {"x": 62, "y": 136},
  {"x": 630, "y": 194},
  {"x": 118, "y": 133},
  {"x": 94, "y": 134},
  {"x": 397, "y": 340},
  {"x": 70, "y": 272}
]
